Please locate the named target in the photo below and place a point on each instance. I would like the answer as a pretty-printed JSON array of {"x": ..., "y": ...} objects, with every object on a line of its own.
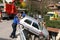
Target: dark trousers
[{"x": 14, "y": 29}]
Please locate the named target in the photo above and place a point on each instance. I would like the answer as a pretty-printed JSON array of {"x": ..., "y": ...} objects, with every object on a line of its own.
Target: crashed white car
[{"x": 33, "y": 26}]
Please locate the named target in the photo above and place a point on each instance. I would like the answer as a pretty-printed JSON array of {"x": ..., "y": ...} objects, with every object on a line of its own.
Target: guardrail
[{"x": 53, "y": 29}]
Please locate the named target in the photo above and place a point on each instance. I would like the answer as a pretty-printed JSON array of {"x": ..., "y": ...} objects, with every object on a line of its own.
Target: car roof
[{"x": 31, "y": 18}]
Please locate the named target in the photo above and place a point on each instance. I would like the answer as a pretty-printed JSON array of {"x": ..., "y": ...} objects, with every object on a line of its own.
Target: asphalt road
[{"x": 5, "y": 30}]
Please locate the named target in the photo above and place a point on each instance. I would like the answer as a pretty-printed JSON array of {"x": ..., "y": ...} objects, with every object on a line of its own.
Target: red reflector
[{"x": 41, "y": 33}]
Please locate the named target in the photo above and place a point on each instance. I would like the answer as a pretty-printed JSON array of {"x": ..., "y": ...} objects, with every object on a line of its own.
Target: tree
[
  {"x": 17, "y": 3},
  {"x": 1, "y": 1}
]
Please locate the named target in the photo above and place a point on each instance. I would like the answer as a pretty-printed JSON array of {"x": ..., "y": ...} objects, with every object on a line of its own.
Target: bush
[
  {"x": 46, "y": 18},
  {"x": 54, "y": 24}
]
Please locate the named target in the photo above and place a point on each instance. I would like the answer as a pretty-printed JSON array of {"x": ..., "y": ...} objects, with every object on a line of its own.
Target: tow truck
[{"x": 9, "y": 10}]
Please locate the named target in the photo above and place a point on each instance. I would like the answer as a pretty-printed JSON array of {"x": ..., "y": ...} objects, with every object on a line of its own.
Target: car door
[
  {"x": 35, "y": 29},
  {"x": 32, "y": 27},
  {"x": 27, "y": 24}
]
